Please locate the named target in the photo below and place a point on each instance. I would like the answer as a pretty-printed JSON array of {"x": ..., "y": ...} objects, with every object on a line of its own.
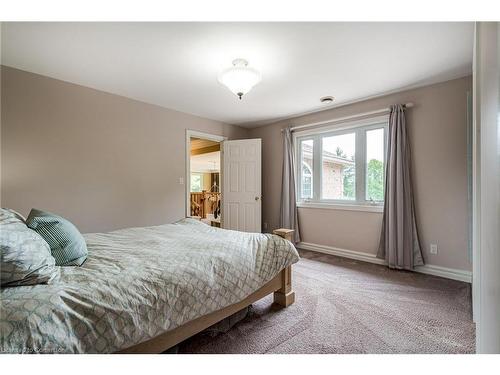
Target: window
[
  {"x": 196, "y": 182},
  {"x": 306, "y": 176},
  {"x": 306, "y": 181},
  {"x": 338, "y": 167},
  {"x": 343, "y": 165},
  {"x": 375, "y": 165}
]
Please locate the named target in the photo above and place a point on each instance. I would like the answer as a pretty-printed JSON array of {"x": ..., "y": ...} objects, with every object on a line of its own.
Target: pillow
[
  {"x": 25, "y": 256},
  {"x": 66, "y": 243},
  {"x": 16, "y": 214}
]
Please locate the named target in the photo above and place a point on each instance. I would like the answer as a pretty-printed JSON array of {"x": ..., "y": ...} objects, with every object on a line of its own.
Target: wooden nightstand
[{"x": 287, "y": 234}]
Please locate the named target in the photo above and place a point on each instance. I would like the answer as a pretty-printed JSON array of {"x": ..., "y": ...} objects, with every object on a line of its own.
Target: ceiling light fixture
[
  {"x": 240, "y": 79},
  {"x": 327, "y": 99}
]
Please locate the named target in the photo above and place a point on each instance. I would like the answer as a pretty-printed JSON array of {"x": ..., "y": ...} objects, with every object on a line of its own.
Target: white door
[{"x": 241, "y": 187}]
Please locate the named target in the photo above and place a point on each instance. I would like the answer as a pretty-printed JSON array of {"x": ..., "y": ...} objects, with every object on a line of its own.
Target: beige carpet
[{"x": 346, "y": 306}]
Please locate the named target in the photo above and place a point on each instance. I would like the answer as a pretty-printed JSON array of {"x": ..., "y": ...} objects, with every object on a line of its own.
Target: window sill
[{"x": 340, "y": 206}]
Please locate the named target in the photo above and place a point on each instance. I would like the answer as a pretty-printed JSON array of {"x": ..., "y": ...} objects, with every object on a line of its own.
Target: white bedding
[{"x": 138, "y": 283}]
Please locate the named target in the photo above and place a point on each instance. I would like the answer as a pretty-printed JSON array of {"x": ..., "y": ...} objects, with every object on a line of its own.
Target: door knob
[{"x": 257, "y": 198}]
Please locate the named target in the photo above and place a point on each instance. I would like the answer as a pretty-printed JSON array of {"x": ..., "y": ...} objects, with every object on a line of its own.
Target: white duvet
[{"x": 138, "y": 283}]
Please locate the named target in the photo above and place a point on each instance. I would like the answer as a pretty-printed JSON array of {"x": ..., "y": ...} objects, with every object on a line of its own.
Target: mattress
[{"x": 138, "y": 283}]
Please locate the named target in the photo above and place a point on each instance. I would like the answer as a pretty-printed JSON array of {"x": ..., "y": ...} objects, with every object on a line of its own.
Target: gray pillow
[
  {"x": 67, "y": 245},
  {"x": 25, "y": 256}
]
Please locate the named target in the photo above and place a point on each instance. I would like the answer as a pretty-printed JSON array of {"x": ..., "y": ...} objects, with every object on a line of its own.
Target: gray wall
[
  {"x": 108, "y": 162},
  {"x": 438, "y": 131},
  {"x": 101, "y": 160}
]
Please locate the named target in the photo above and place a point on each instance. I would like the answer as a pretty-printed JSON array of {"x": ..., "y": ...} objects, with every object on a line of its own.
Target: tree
[
  {"x": 340, "y": 153},
  {"x": 375, "y": 180},
  {"x": 348, "y": 182},
  {"x": 374, "y": 177},
  {"x": 348, "y": 176}
]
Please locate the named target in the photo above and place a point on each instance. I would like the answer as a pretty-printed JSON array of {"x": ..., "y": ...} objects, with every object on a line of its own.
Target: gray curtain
[
  {"x": 399, "y": 244},
  {"x": 288, "y": 208}
]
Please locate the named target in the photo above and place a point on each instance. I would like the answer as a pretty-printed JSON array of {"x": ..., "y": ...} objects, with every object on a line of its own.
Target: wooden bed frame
[{"x": 281, "y": 286}]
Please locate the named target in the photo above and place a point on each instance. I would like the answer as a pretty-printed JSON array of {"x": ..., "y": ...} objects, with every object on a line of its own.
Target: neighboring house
[{"x": 334, "y": 168}]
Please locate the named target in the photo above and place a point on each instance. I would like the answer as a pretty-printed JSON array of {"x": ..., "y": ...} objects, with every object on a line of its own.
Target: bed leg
[{"x": 285, "y": 296}]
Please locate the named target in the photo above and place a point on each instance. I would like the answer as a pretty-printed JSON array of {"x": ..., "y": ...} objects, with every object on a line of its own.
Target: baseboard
[
  {"x": 448, "y": 273},
  {"x": 351, "y": 254},
  {"x": 429, "y": 269}
]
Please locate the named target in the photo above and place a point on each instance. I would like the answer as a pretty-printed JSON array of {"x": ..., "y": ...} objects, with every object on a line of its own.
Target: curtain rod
[{"x": 352, "y": 117}]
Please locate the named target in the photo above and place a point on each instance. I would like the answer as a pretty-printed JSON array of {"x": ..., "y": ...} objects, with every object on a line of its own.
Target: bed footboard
[
  {"x": 285, "y": 296},
  {"x": 171, "y": 338},
  {"x": 281, "y": 286}
]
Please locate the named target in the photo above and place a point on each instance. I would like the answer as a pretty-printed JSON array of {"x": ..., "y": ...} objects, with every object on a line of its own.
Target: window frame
[
  {"x": 360, "y": 128},
  {"x": 309, "y": 168},
  {"x": 191, "y": 184},
  {"x": 299, "y": 168}
]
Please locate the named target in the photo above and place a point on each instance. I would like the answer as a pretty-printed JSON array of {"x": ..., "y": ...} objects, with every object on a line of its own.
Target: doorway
[{"x": 203, "y": 177}]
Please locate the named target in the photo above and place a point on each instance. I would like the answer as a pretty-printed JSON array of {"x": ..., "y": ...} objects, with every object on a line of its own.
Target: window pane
[
  {"x": 306, "y": 178},
  {"x": 375, "y": 165},
  {"x": 196, "y": 182},
  {"x": 338, "y": 168}
]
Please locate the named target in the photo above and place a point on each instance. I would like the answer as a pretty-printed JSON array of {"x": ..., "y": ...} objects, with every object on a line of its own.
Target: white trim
[
  {"x": 448, "y": 273},
  {"x": 429, "y": 269},
  {"x": 334, "y": 126},
  {"x": 359, "y": 127},
  {"x": 187, "y": 179},
  {"x": 351, "y": 254},
  {"x": 202, "y": 135},
  {"x": 338, "y": 206},
  {"x": 476, "y": 185},
  {"x": 357, "y": 117}
]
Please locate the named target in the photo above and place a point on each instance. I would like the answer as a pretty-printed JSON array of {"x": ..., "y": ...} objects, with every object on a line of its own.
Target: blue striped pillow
[{"x": 67, "y": 244}]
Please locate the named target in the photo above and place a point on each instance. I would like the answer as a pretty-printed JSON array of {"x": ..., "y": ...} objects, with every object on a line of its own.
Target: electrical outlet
[
  {"x": 434, "y": 248},
  {"x": 181, "y": 180}
]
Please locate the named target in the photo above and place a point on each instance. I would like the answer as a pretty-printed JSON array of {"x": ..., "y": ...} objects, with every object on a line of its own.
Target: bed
[{"x": 144, "y": 290}]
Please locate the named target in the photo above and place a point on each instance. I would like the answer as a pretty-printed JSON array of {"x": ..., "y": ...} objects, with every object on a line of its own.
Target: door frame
[
  {"x": 187, "y": 180},
  {"x": 476, "y": 187}
]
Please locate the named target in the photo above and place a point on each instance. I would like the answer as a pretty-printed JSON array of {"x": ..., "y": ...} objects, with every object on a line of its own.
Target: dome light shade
[{"x": 240, "y": 79}]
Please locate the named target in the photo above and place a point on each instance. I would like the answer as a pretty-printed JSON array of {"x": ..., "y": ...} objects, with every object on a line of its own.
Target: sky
[{"x": 374, "y": 144}]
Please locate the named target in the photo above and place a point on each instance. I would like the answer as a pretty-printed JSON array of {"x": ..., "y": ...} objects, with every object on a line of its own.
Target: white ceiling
[
  {"x": 175, "y": 65},
  {"x": 206, "y": 163}
]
